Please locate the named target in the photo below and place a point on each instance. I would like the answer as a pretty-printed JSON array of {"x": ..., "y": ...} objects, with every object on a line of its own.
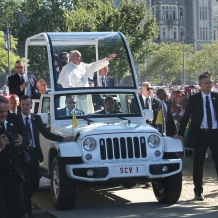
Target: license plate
[{"x": 129, "y": 170}]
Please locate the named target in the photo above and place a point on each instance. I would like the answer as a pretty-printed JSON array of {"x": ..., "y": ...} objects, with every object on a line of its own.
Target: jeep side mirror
[{"x": 148, "y": 113}]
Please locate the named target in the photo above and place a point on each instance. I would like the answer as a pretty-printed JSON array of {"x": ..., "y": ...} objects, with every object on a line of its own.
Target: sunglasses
[
  {"x": 149, "y": 89},
  {"x": 73, "y": 102},
  {"x": 19, "y": 67}
]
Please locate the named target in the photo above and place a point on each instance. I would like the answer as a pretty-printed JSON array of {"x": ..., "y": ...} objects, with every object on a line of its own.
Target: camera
[{"x": 11, "y": 137}]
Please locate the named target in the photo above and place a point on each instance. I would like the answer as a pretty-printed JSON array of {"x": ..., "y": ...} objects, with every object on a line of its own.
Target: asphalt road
[{"x": 118, "y": 202}]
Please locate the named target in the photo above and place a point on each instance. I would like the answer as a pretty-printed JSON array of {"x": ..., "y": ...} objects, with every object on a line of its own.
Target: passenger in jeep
[
  {"x": 70, "y": 107},
  {"x": 76, "y": 73},
  {"x": 109, "y": 106}
]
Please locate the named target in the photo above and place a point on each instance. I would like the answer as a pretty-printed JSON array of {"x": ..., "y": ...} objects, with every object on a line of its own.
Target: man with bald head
[{"x": 76, "y": 73}]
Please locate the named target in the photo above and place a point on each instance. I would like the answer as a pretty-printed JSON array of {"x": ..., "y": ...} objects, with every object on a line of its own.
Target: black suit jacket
[
  {"x": 170, "y": 124},
  {"x": 14, "y": 125},
  {"x": 14, "y": 83},
  {"x": 39, "y": 127},
  {"x": 195, "y": 111},
  {"x": 109, "y": 81}
]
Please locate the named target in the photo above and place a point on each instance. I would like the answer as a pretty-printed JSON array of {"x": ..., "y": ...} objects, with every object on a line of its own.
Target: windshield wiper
[
  {"x": 122, "y": 118},
  {"x": 89, "y": 121}
]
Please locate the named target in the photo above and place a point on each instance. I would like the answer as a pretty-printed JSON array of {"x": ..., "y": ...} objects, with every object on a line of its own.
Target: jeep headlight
[
  {"x": 153, "y": 141},
  {"x": 89, "y": 144}
]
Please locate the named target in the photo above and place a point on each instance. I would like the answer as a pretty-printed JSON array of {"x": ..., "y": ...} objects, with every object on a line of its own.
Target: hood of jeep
[{"x": 103, "y": 128}]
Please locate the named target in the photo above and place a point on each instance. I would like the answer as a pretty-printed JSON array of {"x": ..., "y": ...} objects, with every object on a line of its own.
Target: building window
[
  {"x": 214, "y": 35},
  {"x": 203, "y": 13},
  {"x": 164, "y": 34},
  {"x": 163, "y": 13},
  {"x": 203, "y": 33},
  {"x": 167, "y": 13},
  {"x": 175, "y": 33},
  {"x": 181, "y": 13},
  {"x": 174, "y": 13},
  {"x": 157, "y": 13}
]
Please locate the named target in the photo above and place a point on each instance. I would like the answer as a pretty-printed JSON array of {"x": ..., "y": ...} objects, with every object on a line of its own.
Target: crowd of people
[{"x": 189, "y": 114}]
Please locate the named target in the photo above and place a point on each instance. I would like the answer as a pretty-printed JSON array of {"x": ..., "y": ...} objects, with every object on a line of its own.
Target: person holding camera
[
  {"x": 34, "y": 126},
  {"x": 11, "y": 174}
]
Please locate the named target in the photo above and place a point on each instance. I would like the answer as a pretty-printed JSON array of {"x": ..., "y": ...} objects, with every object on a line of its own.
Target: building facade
[{"x": 190, "y": 20}]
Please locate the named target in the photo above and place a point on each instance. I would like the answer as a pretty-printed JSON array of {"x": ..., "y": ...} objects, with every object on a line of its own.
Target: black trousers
[
  {"x": 31, "y": 174},
  {"x": 205, "y": 139},
  {"x": 11, "y": 196}
]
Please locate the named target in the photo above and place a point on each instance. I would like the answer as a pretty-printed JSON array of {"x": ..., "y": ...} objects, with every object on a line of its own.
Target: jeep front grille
[{"x": 122, "y": 148}]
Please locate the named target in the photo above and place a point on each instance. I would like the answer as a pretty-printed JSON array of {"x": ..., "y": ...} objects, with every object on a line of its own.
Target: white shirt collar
[
  {"x": 24, "y": 116},
  {"x": 204, "y": 95}
]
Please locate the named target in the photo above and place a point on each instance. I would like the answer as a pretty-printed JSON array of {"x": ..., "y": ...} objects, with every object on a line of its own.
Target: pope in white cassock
[{"x": 76, "y": 73}]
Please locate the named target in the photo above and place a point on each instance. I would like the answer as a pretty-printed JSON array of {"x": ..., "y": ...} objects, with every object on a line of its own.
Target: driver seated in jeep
[
  {"x": 70, "y": 107},
  {"x": 109, "y": 107}
]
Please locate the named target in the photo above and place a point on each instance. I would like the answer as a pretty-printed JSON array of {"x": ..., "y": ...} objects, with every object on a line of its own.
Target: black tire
[
  {"x": 63, "y": 189},
  {"x": 128, "y": 185},
  {"x": 168, "y": 190}
]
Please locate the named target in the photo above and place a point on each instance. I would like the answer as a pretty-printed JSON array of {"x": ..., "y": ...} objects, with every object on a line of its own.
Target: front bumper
[{"x": 106, "y": 171}]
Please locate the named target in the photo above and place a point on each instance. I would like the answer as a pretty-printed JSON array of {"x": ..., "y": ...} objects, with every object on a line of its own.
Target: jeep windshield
[
  {"x": 50, "y": 53},
  {"x": 96, "y": 105}
]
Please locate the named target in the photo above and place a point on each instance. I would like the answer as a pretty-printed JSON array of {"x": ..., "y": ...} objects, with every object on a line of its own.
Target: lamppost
[{"x": 183, "y": 58}]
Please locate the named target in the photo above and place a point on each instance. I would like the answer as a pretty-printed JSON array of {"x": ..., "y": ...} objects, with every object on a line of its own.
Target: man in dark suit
[
  {"x": 147, "y": 102},
  {"x": 203, "y": 131},
  {"x": 34, "y": 126},
  {"x": 109, "y": 107},
  {"x": 11, "y": 174},
  {"x": 18, "y": 83},
  {"x": 169, "y": 124},
  {"x": 103, "y": 79},
  {"x": 70, "y": 107}
]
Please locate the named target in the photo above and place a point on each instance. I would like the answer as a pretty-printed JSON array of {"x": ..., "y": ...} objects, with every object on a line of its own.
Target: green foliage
[
  {"x": 206, "y": 59},
  {"x": 4, "y": 53},
  {"x": 167, "y": 63}
]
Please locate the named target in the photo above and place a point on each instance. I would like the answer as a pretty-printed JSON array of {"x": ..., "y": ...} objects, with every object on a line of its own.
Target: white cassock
[{"x": 73, "y": 75}]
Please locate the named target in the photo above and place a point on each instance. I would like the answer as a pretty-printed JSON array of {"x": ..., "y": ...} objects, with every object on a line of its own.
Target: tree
[
  {"x": 167, "y": 63},
  {"x": 206, "y": 59},
  {"x": 4, "y": 53}
]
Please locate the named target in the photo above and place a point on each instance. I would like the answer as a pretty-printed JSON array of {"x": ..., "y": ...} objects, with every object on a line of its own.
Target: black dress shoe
[{"x": 199, "y": 197}]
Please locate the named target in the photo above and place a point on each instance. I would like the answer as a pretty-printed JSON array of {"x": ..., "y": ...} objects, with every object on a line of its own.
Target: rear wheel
[
  {"x": 63, "y": 189},
  {"x": 168, "y": 190}
]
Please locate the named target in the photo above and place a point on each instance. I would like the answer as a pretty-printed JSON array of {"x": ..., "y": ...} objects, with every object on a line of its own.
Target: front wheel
[
  {"x": 168, "y": 190},
  {"x": 63, "y": 189}
]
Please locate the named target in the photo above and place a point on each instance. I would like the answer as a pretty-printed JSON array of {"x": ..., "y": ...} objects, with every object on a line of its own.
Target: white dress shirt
[
  {"x": 73, "y": 75},
  {"x": 31, "y": 127},
  {"x": 149, "y": 101},
  {"x": 213, "y": 115}
]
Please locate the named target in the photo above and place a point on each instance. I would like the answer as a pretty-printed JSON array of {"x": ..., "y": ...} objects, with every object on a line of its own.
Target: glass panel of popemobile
[{"x": 55, "y": 57}]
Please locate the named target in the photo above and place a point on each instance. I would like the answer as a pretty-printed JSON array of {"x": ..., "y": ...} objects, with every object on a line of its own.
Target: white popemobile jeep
[{"x": 120, "y": 148}]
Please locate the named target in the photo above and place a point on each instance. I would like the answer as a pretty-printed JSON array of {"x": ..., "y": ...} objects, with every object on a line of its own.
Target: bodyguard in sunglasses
[{"x": 18, "y": 83}]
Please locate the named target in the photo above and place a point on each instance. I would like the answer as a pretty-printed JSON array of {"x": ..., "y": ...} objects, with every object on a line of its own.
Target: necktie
[
  {"x": 164, "y": 112},
  {"x": 102, "y": 82},
  {"x": 208, "y": 111},
  {"x": 146, "y": 103},
  {"x": 3, "y": 128},
  {"x": 22, "y": 79},
  {"x": 29, "y": 130}
]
